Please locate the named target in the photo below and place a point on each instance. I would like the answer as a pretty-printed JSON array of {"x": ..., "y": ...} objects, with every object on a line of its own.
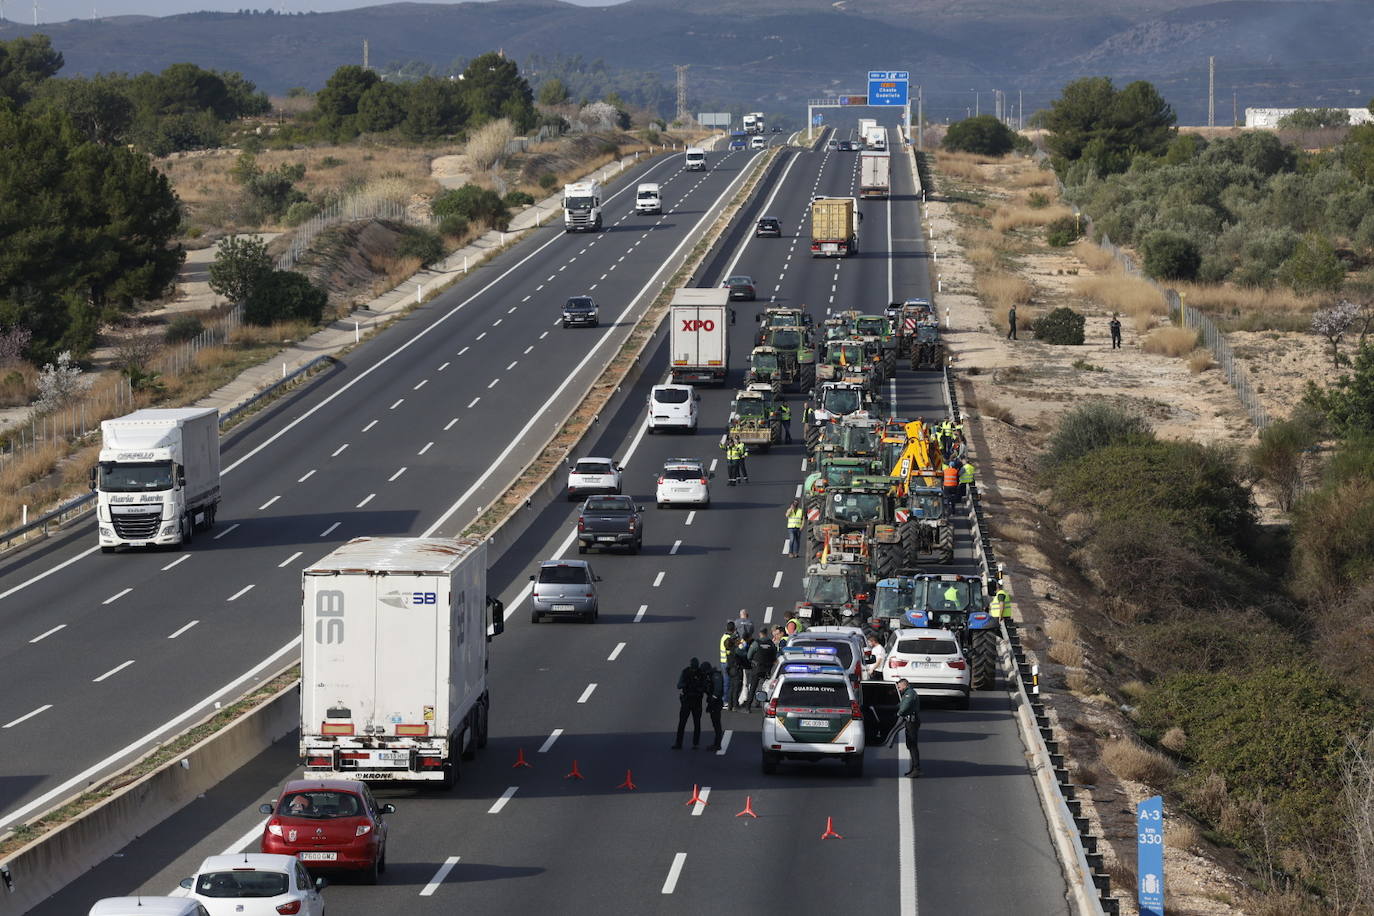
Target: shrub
[
  {"x": 984, "y": 135},
  {"x": 1276, "y": 460},
  {"x": 1132, "y": 760},
  {"x": 183, "y": 328},
  {"x": 240, "y": 264},
  {"x": 1228, "y": 640},
  {"x": 422, "y": 244},
  {"x": 476, "y": 205},
  {"x": 1063, "y": 232},
  {"x": 1171, "y": 341},
  {"x": 1313, "y": 267},
  {"x": 283, "y": 295},
  {"x": 1170, "y": 256},
  {"x": 1037, "y": 200},
  {"x": 518, "y": 199},
  {"x": 1095, "y": 425},
  {"x": 1348, "y": 403},
  {"x": 300, "y": 211},
  {"x": 1063, "y": 326},
  {"x": 548, "y": 180},
  {"x": 453, "y": 225},
  {"x": 1333, "y": 538},
  {"x": 1200, "y": 361},
  {"x": 329, "y": 162}
]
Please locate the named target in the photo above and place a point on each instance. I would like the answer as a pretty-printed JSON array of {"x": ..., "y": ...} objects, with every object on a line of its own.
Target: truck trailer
[
  {"x": 874, "y": 173},
  {"x": 834, "y": 227},
  {"x": 699, "y": 335}
]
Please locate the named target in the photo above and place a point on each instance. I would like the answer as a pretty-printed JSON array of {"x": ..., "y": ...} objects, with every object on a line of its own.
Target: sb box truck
[
  {"x": 394, "y": 635},
  {"x": 699, "y": 336},
  {"x": 157, "y": 478}
]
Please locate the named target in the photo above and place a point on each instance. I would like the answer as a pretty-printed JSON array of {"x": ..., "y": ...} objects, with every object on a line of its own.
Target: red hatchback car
[{"x": 329, "y": 824}]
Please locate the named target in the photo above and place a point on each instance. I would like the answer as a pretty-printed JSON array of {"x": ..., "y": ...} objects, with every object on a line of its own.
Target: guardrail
[{"x": 82, "y": 504}]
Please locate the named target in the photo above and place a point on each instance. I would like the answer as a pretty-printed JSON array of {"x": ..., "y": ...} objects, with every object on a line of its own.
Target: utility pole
[
  {"x": 1211, "y": 92},
  {"x": 682, "y": 114},
  {"x": 1020, "y": 112},
  {"x": 365, "y": 66},
  {"x": 1235, "y": 112},
  {"x": 35, "y": 12},
  {"x": 920, "y": 118}
]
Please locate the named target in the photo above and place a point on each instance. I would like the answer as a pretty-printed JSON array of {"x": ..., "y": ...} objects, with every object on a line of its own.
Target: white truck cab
[
  {"x": 696, "y": 159},
  {"x": 648, "y": 199},
  {"x": 582, "y": 207}
]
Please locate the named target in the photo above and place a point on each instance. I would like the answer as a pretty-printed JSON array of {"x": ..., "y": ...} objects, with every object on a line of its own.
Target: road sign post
[{"x": 1149, "y": 835}]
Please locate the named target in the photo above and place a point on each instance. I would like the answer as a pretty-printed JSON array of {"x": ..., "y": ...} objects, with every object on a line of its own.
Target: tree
[
  {"x": 553, "y": 92},
  {"x": 1170, "y": 256},
  {"x": 381, "y": 107},
  {"x": 1140, "y": 121},
  {"x": 1314, "y": 119},
  {"x": 494, "y": 88},
  {"x": 1313, "y": 267},
  {"x": 433, "y": 108},
  {"x": 1092, "y": 121},
  {"x": 284, "y": 295},
  {"x": 342, "y": 92},
  {"x": 99, "y": 107},
  {"x": 1332, "y": 323},
  {"x": 241, "y": 262},
  {"x": 1349, "y": 401},
  {"x": 244, "y": 98},
  {"x": 25, "y": 63},
  {"x": 983, "y": 134}
]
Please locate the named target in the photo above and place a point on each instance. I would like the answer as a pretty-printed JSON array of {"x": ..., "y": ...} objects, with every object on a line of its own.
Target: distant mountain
[{"x": 777, "y": 53}]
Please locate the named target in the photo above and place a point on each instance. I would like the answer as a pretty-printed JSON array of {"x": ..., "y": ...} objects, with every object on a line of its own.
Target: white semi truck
[
  {"x": 866, "y": 125},
  {"x": 157, "y": 478},
  {"x": 875, "y": 137},
  {"x": 875, "y": 177},
  {"x": 394, "y": 635},
  {"x": 582, "y": 207},
  {"x": 699, "y": 335},
  {"x": 753, "y": 122}
]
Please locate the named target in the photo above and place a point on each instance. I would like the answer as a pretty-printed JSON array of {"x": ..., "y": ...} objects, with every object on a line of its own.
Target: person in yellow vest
[
  {"x": 966, "y": 472},
  {"x": 950, "y": 479},
  {"x": 735, "y": 453},
  {"x": 1001, "y": 603},
  {"x": 795, "y": 519},
  {"x": 785, "y": 415},
  {"x": 794, "y": 625},
  {"x": 728, "y": 641}
]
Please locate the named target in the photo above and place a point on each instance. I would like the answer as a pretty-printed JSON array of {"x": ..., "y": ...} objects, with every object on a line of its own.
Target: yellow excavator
[{"x": 917, "y": 472}]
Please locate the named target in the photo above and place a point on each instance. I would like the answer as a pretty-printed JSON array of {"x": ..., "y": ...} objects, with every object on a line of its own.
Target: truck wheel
[
  {"x": 983, "y": 659},
  {"x": 188, "y": 530},
  {"x": 890, "y": 363},
  {"x": 946, "y": 549},
  {"x": 451, "y": 774},
  {"x": 808, "y": 377},
  {"x": 470, "y": 737},
  {"x": 483, "y": 724}
]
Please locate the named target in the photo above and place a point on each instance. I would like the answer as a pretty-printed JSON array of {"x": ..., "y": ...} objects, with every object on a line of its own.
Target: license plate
[
  {"x": 606, "y": 537},
  {"x": 392, "y": 756},
  {"x": 319, "y": 856},
  {"x": 830, "y": 246},
  {"x": 804, "y": 612},
  {"x": 815, "y": 723},
  {"x": 927, "y": 664},
  {"x": 138, "y": 543},
  {"x": 563, "y": 607}
]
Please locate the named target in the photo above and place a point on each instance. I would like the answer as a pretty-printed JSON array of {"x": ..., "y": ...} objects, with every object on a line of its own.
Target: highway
[
  {"x": 968, "y": 837},
  {"x": 104, "y": 654}
]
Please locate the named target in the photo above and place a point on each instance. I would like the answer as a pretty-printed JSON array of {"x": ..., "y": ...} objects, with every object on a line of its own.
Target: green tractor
[
  {"x": 795, "y": 355},
  {"x": 858, "y": 519},
  {"x": 876, "y": 332},
  {"x": 846, "y": 360},
  {"x": 754, "y": 418},
  {"x": 927, "y": 350}
]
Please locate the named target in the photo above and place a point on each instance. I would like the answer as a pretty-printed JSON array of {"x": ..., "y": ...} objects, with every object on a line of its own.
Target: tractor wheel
[
  {"x": 945, "y": 548},
  {"x": 887, "y": 560},
  {"x": 890, "y": 363},
  {"x": 983, "y": 658},
  {"x": 813, "y": 501},
  {"x": 807, "y": 376},
  {"x": 911, "y": 543},
  {"x": 813, "y": 436}
]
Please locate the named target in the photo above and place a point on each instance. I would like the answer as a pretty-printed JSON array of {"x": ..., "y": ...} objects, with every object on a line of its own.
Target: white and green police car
[{"x": 812, "y": 713}]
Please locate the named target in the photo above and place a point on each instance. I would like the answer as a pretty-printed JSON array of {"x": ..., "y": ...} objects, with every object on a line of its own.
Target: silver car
[{"x": 564, "y": 588}]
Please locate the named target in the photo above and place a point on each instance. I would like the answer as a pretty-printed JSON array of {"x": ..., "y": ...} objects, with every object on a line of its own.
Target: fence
[{"x": 343, "y": 211}]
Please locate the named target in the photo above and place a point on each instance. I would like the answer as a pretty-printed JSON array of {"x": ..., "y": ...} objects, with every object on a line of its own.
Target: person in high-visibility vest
[
  {"x": 1001, "y": 603},
  {"x": 795, "y": 519},
  {"x": 735, "y": 453},
  {"x": 950, "y": 478},
  {"x": 966, "y": 471},
  {"x": 785, "y": 414}
]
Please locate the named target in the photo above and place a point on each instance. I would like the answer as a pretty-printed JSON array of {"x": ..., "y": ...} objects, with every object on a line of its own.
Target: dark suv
[
  {"x": 580, "y": 310},
  {"x": 769, "y": 226}
]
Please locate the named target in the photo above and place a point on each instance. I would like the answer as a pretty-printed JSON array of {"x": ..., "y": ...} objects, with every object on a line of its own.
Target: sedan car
[
  {"x": 846, "y": 146},
  {"x": 255, "y": 884},
  {"x": 741, "y": 287},
  {"x": 564, "y": 588},
  {"x": 832, "y": 145},
  {"x": 932, "y": 662},
  {"x": 737, "y": 143},
  {"x": 768, "y": 226},
  {"x": 329, "y": 824},
  {"x": 684, "y": 481},
  {"x": 593, "y": 475},
  {"x": 581, "y": 310}
]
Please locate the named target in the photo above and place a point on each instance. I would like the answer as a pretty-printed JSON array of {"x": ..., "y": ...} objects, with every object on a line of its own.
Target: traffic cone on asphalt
[
  {"x": 629, "y": 782},
  {"x": 576, "y": 773},
  {"x": 748, "y": 807},
  {"x": 696, "y": 798},
  {"x": 830, "y": 831},
  {"x": 520, "y": 761}
]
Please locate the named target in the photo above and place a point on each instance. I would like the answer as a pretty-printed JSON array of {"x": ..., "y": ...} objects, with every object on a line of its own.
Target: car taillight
[
  {"x": 772, "y": 709},
  {"x": 292, "y": 907},
  {"x": 896, "y": 663},
  {"x": 958, "y": 663},
  {"x": 274, "y": 828},
  {"x": 660, "y": 481},
  {"x": 581, "y": 525},
  {"x": 703, "y": 481},
  {"x": 363, "y": 830},
  {"x": 855, "y": 712}
]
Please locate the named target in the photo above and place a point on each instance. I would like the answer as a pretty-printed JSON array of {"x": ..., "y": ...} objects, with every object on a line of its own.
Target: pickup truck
[{"x": 610, "y": 521}]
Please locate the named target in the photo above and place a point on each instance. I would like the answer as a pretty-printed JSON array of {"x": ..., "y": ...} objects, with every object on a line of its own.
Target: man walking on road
[
  {"x": 692, "y": 685},
  {"x": 909, "y": 711},
  {"x": 714, "y": 693},
  {"x": 744, "y": 627},
  {"x": 762, "y": 654},
  {"x": 727, "y": 649},
  {"x": 949, "y": 477},
  {"x": 785, "y": 414},
  {"x": 1115, "y": 327},
  {"x": 966, "y": 472},
  {"x": 875, "y": 651},
  {"x": 735, "y": 453},
  {"x": 794, "y": 526},
  {"x": 1011, "y": 323}
]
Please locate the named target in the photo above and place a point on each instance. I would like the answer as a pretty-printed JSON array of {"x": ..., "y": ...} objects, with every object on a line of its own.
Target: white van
[
  {"x": 696, "y": 159},
  {"x": 148, "y": 906},
  {"x": 647, "y": 199},
  {"x": 673, "y": 407},
  {"x": 758, "y": 142}
]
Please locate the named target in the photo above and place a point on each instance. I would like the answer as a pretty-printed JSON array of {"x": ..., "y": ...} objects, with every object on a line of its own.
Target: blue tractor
[{"x": 947, "y": 602}]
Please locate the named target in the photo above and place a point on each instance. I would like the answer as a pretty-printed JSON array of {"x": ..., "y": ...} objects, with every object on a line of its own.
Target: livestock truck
[
  {"x": 394, "y": 635},
  {"x": 834, "y": 227},
  {"x": 157, "y": 478},
  {"x": 699, "y": 335}
]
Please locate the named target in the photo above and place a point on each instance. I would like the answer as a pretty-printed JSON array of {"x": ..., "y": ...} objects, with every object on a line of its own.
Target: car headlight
[{"x": 106, "y": 532}]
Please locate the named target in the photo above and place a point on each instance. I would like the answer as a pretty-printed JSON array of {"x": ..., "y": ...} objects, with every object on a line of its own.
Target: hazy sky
[{"x": 62, "y": 10}]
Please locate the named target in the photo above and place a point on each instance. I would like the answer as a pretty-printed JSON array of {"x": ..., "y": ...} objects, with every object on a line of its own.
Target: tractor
[
  {"x": 858, "y": 519},
  {"x": 947, "y": 602},
  {"x": 845, "y": 360},
  {"x": 906, "y": 318},
  {"x": 795, "y": 355},
  {"x": 833, "y": 401},
  {"x": 917, "y": 472},
  {"x": 754, "y": 419},
  {"x": 836, "y": 593},
  {"x": 876, "y": 331},
  {"x": 927, "y": 350}
]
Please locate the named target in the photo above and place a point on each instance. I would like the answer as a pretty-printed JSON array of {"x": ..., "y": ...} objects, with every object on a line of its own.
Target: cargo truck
[
  {"x": 699, "y": 338},
  {"x": 753, "y": 122},
  {"x": 875, "y": 137},
  {"x": 157, "y": 479},
  {"x": 874, "y": 173},
  {"x": 866, "y": 125},
  {"x": 582, "y": 207},
  {"x": 834, "y": 227},
  {"x": 394, "y": 635}
]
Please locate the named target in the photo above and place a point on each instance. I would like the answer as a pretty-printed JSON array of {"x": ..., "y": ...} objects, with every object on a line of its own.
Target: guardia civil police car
[{"x": 812, "y": 713}]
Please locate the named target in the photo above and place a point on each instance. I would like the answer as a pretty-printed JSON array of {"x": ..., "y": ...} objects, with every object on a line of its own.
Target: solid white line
[
  {"x": 116, "y": 596},
  {"x": 339, "y": 451},
  {"x": 427, "y": 447},
  {"x": 704, "y": 794},
  {"x": 367, "y": 499},
  {"x": 615, "y": 653},
  {"x": 392, "y": 478},
  {"x": 444, "y": 869},
  {"x": 449, "y": 424},
  {"x": 474, "y": 402},
  {"x": 690, "y": 515},
  {"x": 676, "y": 545},
  {"x": 308, "y": 474},
  {"x": 768, "y": 614},
  {"x": 501, "y": 802},
  {"x": 43, "y": 575},
  {"x": 80, "y": 779},
  {"x": 225, "y": 531},
  {"x": 251, "y": 836},
  {"x": 113, "y": 671},
  {"x": 777, "y": 579},
  {"x": 174, "y": 634},
  {"x": 442, "y": 368},
  {"x": 658, "y": 580},
  {"x": 548, "y": 742},
  {"x": 643, "y": 608},
  {"x": 28, "y": 715},
  {"x": 767, "y": 207},
  {"x": 240, "y": 593},
  {"x": 45, "y": 635},
  {"x": 586, "y": 693},
  {"x": 289, "y": 560},
  {"x": 268, "y": 503},
  {"x": 423, "y": 382},
  {"x": 181, "y": 559},
  {"x": 906, "y": 838},
  {"x": 725, "y": 742},
  {"x": 326, "y": 531},
  {"x": 674, "y": 871},
  {"x": 399, "y": 402},
  {"x": 891, "y": 263},
  {"x": 370, "y": 425}
]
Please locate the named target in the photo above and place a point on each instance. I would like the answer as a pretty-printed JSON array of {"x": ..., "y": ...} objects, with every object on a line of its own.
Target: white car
[
  {"x": 593, "y": 476},
  {"x": 673, "y": 407},
  {"x": 758, "y": 142},
  {"x": 932, "y": 662},
  {"x": 684, "y": 481},
  {"x": 146, "y": 906},
  {"x": 255, "y": 884}
]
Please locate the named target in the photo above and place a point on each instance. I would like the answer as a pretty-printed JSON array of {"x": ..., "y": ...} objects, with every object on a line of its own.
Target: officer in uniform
[{"x": 909, "y": 711}]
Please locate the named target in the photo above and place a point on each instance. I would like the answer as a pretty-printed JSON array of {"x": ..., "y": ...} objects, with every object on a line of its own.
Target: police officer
[
  {"x": 1115, "y": 327},
  {"x": 714, "y": 699},
  {"x": 727, "y": 649},
  {"x": 909, "y": 711},
  {"x": 1001, "y": 603},
  {"x": 795, "y": 519},
  {"x": 762, "y": 654},
  {"x": 966, "y": 471},
  {"x": 779, "y": 638},
  {"x": 692, "y": 685},
  {"x": 785, "y": 413}
]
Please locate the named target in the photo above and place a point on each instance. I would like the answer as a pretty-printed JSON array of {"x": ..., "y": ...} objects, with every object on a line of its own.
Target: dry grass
[
  {"x": 1061, "y": 630},
  {"x": 1079, "y": 681},
  {"x": 961, "y": 165},
  {"x": 1135, "y": 689},
  {"x": 980, "y": 237},
  {"x": 1232, "y": 300},
  {"x": 1119, "y": 292},
  {"x": 1170, "y": 341},
  {"x": 1034, "y": 177},
  {"x": 1175, "y": 739},
  {"x": 1068, "y": 654},
  {"x": 1003, "y": 290},
  {"x": 392, "y": 270},
  {"x": 1134, "y": 761},
  {"x": 997, "y": 412},
  {"x": 1182, "y": 835},
  {"x": 1094, "y": 256},
  {"x": 985, "y": 258},
  {"x": 248, "y": 335},
  {"x": 1019, "y": 217},
  {"x": 486, "y": 145},
  {"x": 1200, "y": 361},
  {"x": 18, "y": 384}
]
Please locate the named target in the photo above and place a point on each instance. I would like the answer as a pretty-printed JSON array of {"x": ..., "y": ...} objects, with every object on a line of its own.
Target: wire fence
[{"x": 346, "y": 210}]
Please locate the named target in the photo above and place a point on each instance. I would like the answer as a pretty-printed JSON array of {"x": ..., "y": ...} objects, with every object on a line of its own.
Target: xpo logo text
[{"x": 698, "y": 324}]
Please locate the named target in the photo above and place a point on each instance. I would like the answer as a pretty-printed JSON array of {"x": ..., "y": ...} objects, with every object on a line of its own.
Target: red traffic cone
[
  {"x": 748, "y": 807},
  {"x": 520, "y": 761},
  {"x": 575, "y": 774},
  {"x": 696, "y": 798},
  {"x": 629, "y": 783},
  {"x": 830, "y": 831}
]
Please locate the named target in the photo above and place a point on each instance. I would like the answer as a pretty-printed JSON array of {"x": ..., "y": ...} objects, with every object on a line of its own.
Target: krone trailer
[
  {"x": 874, "y": 173},
  {"x": 157, "y": 479},
  {"x": 834, "y": 227},
  {"x": 699, "y": 338},
  {"x": 394, "y": 635}
]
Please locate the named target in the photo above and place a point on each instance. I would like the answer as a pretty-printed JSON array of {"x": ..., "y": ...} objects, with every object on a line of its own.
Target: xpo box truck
[
  {"x": 699, "y": 335},
  {"x": 394, "y": 635},
  {"x": 157, "y": 478}
]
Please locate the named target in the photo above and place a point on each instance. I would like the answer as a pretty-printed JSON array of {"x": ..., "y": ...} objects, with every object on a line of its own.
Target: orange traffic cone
[
  {"x": 629, "y": 783},
  {"x": 748, "y": 807},
  {"x": 830, "y": 831},
  {"x": 575, "y": 774},
  {"x": 696, "y": 798},
  {"x": 520, "y": 761}
]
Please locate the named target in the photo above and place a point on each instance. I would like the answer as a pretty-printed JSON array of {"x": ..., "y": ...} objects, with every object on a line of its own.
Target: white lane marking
[
  {"x": 43, "y": 575},
  {"x": 444, "y": 869},
  {"x": 615, "y": 653},
  {"x": 493, "y": 383},
  {"x": 797, "y": 492},
  {"x": 528, "y": 349},
  {"x": 768, "y": 614},
  {"x": 399, "y": 402},
  {"x": 443, "y": 367},
  {"x": 725, "y": 743},
  {"x": 392, "y": 478},
  {"x": 803, "y": 462},
  {"x": 704, "y": 794},
  {"x": 497, "y": 321},
  {"x": 550, "y": 278},
  {"x": 480, "y": 336},
  {"x": 370, "y": 425},
  {"x": 253, "y": 834},
  {"x": 658, "y": 580},
  {"x": 511, "y": 310},
  {"x": 181, "y": 559},
  {"x": 366, "y": 499},
  {"x": 643, "y": 608},
  {"x": 464, "y": 350},
  {"x": 676, "y": 545},
  {"x": 225, "y": 531},
  {"x": 177, "y": 632},
  {"x": 586, "y": 693},
  {"x": 268, "y": 503},
  {"x": 449, "y": 424},
  {"x": 113, "y": 671},
  {"x": 80, "y": 779},
  {"x": 289, "y": 560},
  {"x": 674, "y": 871},
  {"x": 28, "y": 715},
  {"x": 308, "y": 474},
  {"x": 44, "y": 635},
  {"x": 474, "y": 402},
  {"x": 690, "y": 515},
  {"x": 592, "y": 287},
  {"x": 240, "y": 593},
  {"x": 545, "y": 334},
  {"x": 906, "y": 838},
  {"x": 712, "y": 468},
  {"x": 116, "y": 596},
  {"x": 339, "y": 451},
  {"x": 513, "y": 363},
  {"x": 548, "y": 742},
  {"x": 422, "y": 383},
  {"x": 767, "y": 208},
  {"x": 501, "y": 802},
  {"x": 325, "y": 532},
  {"x": 428, "y": 446},
  {"x": 526, "y": 299},
  {"x": 777, "y": 579},
  {"x": 784, "y": 546}
]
